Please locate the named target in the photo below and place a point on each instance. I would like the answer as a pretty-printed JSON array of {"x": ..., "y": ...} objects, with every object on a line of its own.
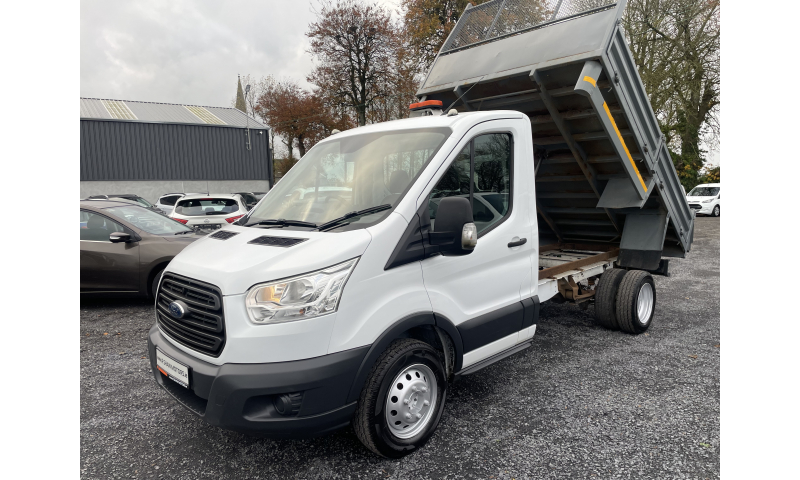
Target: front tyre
[
  {"x": 154, "y": 284},
  {"x": 403, "y": 399},
  {"x": 715, "y": 212}
]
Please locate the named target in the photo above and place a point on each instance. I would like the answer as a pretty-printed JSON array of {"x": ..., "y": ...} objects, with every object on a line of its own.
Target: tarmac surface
[{"x": 582, "y": 402}]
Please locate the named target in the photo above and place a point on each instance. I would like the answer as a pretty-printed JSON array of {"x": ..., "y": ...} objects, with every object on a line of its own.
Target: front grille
[
  {"x": 202, "y": 327},
  {"x": 223, "y": 235},
  {"x": 276, "y": 241},
  {"x": 695, "y": 206}
]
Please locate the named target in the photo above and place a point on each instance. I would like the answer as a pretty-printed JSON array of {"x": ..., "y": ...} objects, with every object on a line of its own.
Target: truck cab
[{"x": 283, "y": 317}]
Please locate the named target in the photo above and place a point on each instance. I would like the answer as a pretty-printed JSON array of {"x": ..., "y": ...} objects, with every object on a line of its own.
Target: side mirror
[
  {"x": 454, "y": 232},
  {"x": 119, "y": 237}
]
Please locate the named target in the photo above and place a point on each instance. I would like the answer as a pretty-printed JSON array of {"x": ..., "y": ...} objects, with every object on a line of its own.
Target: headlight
[
  {"x": 708, "y": 201},
  {"x": 307, "y": 296}
]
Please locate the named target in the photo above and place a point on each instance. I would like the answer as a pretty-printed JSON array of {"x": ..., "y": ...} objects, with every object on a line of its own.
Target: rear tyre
[
  {"x": 715, "y": 212},
  {"x": 636, "y": 302},
  {"x": 154, "y": 285},
  {"x": 605, "y": 300},
  {"x": 402, "y": 402}
]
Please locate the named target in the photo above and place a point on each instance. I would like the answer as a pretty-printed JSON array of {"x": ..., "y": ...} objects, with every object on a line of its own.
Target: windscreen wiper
[
  {"x": 337, "y": 222},
  {"x": 281, "y": 222},
  {"x": 184, "y": 232}
]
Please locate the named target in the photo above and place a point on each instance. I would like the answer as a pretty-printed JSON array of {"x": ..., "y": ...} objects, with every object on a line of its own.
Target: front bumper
[
  {"x": 240, "y": 396},
  {"x": 705, "y": 209}
]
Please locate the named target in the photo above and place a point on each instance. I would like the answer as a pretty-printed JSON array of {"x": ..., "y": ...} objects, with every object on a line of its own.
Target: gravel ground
[{"x": 583, "y": 402}]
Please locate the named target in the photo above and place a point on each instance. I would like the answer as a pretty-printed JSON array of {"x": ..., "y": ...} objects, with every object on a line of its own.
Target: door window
[
  {"x": 481, "y": 172},
  {"x": 97, "y": 228}
]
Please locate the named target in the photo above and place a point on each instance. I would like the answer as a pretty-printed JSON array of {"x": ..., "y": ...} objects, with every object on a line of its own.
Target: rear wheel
[
  {"x": 401, "y": 404},
  {"x": 636, "y": 301},
  {"x": 605, "y": 300}
]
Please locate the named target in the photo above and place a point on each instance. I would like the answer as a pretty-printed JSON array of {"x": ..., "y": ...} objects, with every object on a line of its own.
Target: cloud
[{"x": 190, "y": 51}]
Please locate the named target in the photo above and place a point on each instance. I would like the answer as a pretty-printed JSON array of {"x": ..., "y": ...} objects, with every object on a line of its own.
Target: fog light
[{"x": 288, "y": 404}]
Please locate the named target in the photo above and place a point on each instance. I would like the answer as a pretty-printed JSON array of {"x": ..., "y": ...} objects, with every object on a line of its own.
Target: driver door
[
  {"x": 481, "y": 293},
  {"x": 106, "y": 266}
]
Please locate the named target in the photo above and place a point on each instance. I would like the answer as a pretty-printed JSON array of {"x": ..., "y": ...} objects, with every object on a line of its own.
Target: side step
[{"x": 494, "y": 358}]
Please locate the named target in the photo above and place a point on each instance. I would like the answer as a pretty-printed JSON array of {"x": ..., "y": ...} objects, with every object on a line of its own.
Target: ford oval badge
[{"x": 177, "y": 310}]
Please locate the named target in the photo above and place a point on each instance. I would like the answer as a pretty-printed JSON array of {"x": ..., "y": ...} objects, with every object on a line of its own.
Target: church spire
[{"x": 240, "y": 97}]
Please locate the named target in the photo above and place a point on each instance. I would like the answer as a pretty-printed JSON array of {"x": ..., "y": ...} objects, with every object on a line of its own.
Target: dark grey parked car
[
  {"x": 125, "y": 247},
  {"x": 132, "y": 197}
]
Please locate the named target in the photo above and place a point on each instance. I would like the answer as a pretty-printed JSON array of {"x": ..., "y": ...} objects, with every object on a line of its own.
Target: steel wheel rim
[
  {"x": 644, "y": 303},
  {"x": 411, "y": 401}
]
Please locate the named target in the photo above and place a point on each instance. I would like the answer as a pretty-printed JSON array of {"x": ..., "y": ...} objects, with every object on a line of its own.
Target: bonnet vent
[
  {"x": 277, "y": 241},
  {"x": 223, "y": 235}
]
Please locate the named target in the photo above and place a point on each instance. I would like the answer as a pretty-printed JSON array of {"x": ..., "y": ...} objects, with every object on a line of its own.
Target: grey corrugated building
[{"x": 155, "y": 148}]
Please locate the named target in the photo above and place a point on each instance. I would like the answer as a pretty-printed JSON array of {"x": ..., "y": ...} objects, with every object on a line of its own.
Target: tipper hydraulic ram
[{"x": 603, "y": 171}]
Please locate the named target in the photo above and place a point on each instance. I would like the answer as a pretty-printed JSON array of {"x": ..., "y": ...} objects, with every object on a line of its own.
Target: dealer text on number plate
[{"x": 174, "y": 370}]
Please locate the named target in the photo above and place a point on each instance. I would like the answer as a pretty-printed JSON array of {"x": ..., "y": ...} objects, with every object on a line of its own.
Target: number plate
[{"x": 174, "y": 370}]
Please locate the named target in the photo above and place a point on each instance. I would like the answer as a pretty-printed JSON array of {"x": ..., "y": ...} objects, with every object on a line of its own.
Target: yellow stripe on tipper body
[
  {"x": 619, "y": 135},
  {"x": 590, "y": 80}
]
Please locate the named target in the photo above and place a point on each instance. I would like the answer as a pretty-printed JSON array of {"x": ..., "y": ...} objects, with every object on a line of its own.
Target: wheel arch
[
  {"x": 421, "y": 326},
  {"x": 152, "y": 269}
]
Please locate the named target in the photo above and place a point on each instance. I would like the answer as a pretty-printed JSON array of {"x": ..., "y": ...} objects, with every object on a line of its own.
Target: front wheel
[
  {"x": 402, "y": 402},
  {"x": 154, "y": 284},
  {"x": 715, "y": 212}
]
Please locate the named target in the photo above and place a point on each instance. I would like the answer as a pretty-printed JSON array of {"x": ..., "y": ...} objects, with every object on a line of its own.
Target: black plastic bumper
[{"x": 240, "y": 396}]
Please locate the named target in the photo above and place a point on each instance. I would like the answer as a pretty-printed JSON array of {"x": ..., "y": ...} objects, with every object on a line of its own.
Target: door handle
[{"x": 521, "y": 241}]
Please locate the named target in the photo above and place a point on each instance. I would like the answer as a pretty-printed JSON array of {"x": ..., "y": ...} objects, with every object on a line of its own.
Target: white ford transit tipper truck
[{"x": 397, "y": 257}]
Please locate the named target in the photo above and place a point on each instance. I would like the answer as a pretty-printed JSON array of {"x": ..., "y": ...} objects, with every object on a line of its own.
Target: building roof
[{"x": 151, "y": 112}]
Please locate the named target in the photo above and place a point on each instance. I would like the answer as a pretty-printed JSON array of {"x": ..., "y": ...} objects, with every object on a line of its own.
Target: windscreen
[
  {"x": 350, "y": 174},
  {"x": 150, "y": 222},
  {"x": 248, "y": 197},
  {"x": 144, "y": 202},
  {"x": 206, "y": 206},
  {"x": 703, "y": 192}
]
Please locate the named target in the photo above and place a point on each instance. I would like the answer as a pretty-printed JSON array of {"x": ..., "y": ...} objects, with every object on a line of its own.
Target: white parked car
[
  {"x": 704, "y": 199},
  {"x": 166, "y": 202},
  {"x": 209, "y": 211}
]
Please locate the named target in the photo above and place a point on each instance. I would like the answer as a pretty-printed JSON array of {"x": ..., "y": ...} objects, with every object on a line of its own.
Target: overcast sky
[{"x": 190, "y": 51}]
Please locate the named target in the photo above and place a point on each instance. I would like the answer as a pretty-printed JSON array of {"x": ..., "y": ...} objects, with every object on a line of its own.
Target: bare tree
[
  {"x": 355, "y": 45},
  {"x": 404, "y": 83},
  {"x": 427, "y": 23},
  {"x": 298, "y": 116}
]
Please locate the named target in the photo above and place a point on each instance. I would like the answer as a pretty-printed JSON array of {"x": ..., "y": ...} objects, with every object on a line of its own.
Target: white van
[
  {"x": 704, "y": 199},
  {"x": 392, "y": 259}
]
